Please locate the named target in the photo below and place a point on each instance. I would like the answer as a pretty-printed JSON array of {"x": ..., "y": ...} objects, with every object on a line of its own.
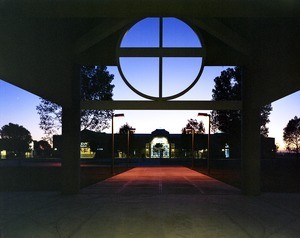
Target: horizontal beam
[
  {"x": 141, "y": 8},
  {"x": 161, "y": 105},
  {"x": 161, "y": 52}
]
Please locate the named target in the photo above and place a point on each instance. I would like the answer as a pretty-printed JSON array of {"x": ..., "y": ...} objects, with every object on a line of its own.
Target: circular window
[{"x": 160, "y": 58}]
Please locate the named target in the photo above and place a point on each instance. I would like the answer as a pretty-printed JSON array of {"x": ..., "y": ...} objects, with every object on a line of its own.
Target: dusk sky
[{"x": 19, "y": 107}]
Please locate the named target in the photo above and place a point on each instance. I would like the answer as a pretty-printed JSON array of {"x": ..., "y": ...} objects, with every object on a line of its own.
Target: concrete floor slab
[{"x": 151, "y": 202}]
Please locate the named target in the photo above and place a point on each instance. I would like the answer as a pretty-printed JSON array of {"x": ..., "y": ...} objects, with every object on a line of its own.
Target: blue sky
[{"x": 18, "y": 106}]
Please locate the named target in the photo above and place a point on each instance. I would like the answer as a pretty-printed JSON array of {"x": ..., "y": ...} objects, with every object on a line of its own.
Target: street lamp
[
  {"x": 113, "y": 141},
  {"x": 128, "y": 134},
  {"x": 208, "y": 139},
  {"x": 193, "y": 142}
]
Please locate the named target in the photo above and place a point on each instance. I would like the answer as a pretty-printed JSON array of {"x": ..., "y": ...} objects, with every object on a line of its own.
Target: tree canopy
[
  {"x": 193, "y": 124},
  {"x": 228, "y": 87},
  {"x": 125, "y": 128},
  {"x": 95, "y": 85},
  {"x": 42, "y": 148},
  {"x": 15, "y": 139},
  {"x": 291, "y": 135}
]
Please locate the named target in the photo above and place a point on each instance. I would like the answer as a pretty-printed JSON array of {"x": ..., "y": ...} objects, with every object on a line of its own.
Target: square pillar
[
  {"x": 251, "y": 146},
  {"x": 71, "y": 138}
]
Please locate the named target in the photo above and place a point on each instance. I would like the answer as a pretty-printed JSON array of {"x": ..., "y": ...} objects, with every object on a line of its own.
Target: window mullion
[{"x": 160, "y": 57}]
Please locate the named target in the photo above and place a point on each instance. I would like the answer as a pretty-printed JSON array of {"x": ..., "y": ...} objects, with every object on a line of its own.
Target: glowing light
[{"x": 3, "y": 154}]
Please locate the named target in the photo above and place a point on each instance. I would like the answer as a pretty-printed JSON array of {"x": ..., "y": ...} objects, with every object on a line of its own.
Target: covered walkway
[
  {"x": 50, "y": 40},
  {"x": 150, "y": 202},
  {"x": 161, "y": 180}
]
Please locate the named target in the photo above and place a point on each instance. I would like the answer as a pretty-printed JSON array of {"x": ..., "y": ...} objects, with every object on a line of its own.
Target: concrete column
[
  {"x": 71, "y": 139},
  {"x": 251, "y": 152}
]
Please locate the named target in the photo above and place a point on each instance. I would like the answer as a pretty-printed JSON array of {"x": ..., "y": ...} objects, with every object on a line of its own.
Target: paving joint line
[{"x": 199, "y": 189}]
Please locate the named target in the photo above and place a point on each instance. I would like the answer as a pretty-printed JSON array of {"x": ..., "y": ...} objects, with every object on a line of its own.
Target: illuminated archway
[{"x": 160, "y": 148}]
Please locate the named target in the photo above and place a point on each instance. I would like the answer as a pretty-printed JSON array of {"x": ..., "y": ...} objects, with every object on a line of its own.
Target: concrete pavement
[{"x": 150, "y": 202}]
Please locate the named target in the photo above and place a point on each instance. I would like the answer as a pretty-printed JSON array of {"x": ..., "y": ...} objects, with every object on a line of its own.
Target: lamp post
[
  {"x": 113, "y": 141},
  {"x": 128, "y": 135},
  {"x": 193, "y": 143},
  {"x": 208, "y": 139}
]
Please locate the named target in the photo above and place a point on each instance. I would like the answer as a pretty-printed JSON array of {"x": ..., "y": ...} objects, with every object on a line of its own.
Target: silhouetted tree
[
  {"x": 264, "y": 119},
  {"x": 95, "y": 85},
  {"x": 15, "y": 139},
  {"x": 42, "y": 148},
  {"x": 124, "y": 138},
  {"x": 198, "y": 127},
  {"x": 291, "y": 135},
  {"x": 125, "y": 128},
  {"x": 228, "y": 87}
]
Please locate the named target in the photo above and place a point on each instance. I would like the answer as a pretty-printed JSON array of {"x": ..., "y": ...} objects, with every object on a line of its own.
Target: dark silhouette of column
[
  {"x": 71, "y": 138},
  {"x": 251, "y": 152}
]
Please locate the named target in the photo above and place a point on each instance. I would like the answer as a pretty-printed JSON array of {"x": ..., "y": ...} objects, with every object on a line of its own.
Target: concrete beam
[
  {"x": 225, "y": 34},
  {"x": 99, "y": 33},
  {"x": 142, "y": 8},
  {"x": 161, "y": 105}
]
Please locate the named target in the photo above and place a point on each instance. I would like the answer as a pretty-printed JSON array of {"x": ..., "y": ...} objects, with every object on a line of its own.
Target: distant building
[{"x": 160, "y": 144}]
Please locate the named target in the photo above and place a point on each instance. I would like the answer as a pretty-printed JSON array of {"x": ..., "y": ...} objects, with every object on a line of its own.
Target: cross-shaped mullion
[{"x": 161, "y": 52}]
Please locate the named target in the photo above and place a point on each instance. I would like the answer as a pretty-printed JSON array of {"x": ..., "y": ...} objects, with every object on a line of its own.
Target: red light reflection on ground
[{"x": 162, "y": 180}]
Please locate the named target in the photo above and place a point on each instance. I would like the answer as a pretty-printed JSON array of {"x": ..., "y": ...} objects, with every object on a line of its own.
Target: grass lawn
[
  {"x": 48, "y": 178},
  {"x": 279, "y": 178}
]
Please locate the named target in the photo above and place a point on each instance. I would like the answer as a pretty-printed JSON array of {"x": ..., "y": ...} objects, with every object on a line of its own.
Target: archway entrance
[{"x": 160, "y": 147}]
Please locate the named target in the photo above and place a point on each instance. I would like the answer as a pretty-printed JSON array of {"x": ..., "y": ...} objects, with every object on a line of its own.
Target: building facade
[{"x": 160, "y": 144}]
